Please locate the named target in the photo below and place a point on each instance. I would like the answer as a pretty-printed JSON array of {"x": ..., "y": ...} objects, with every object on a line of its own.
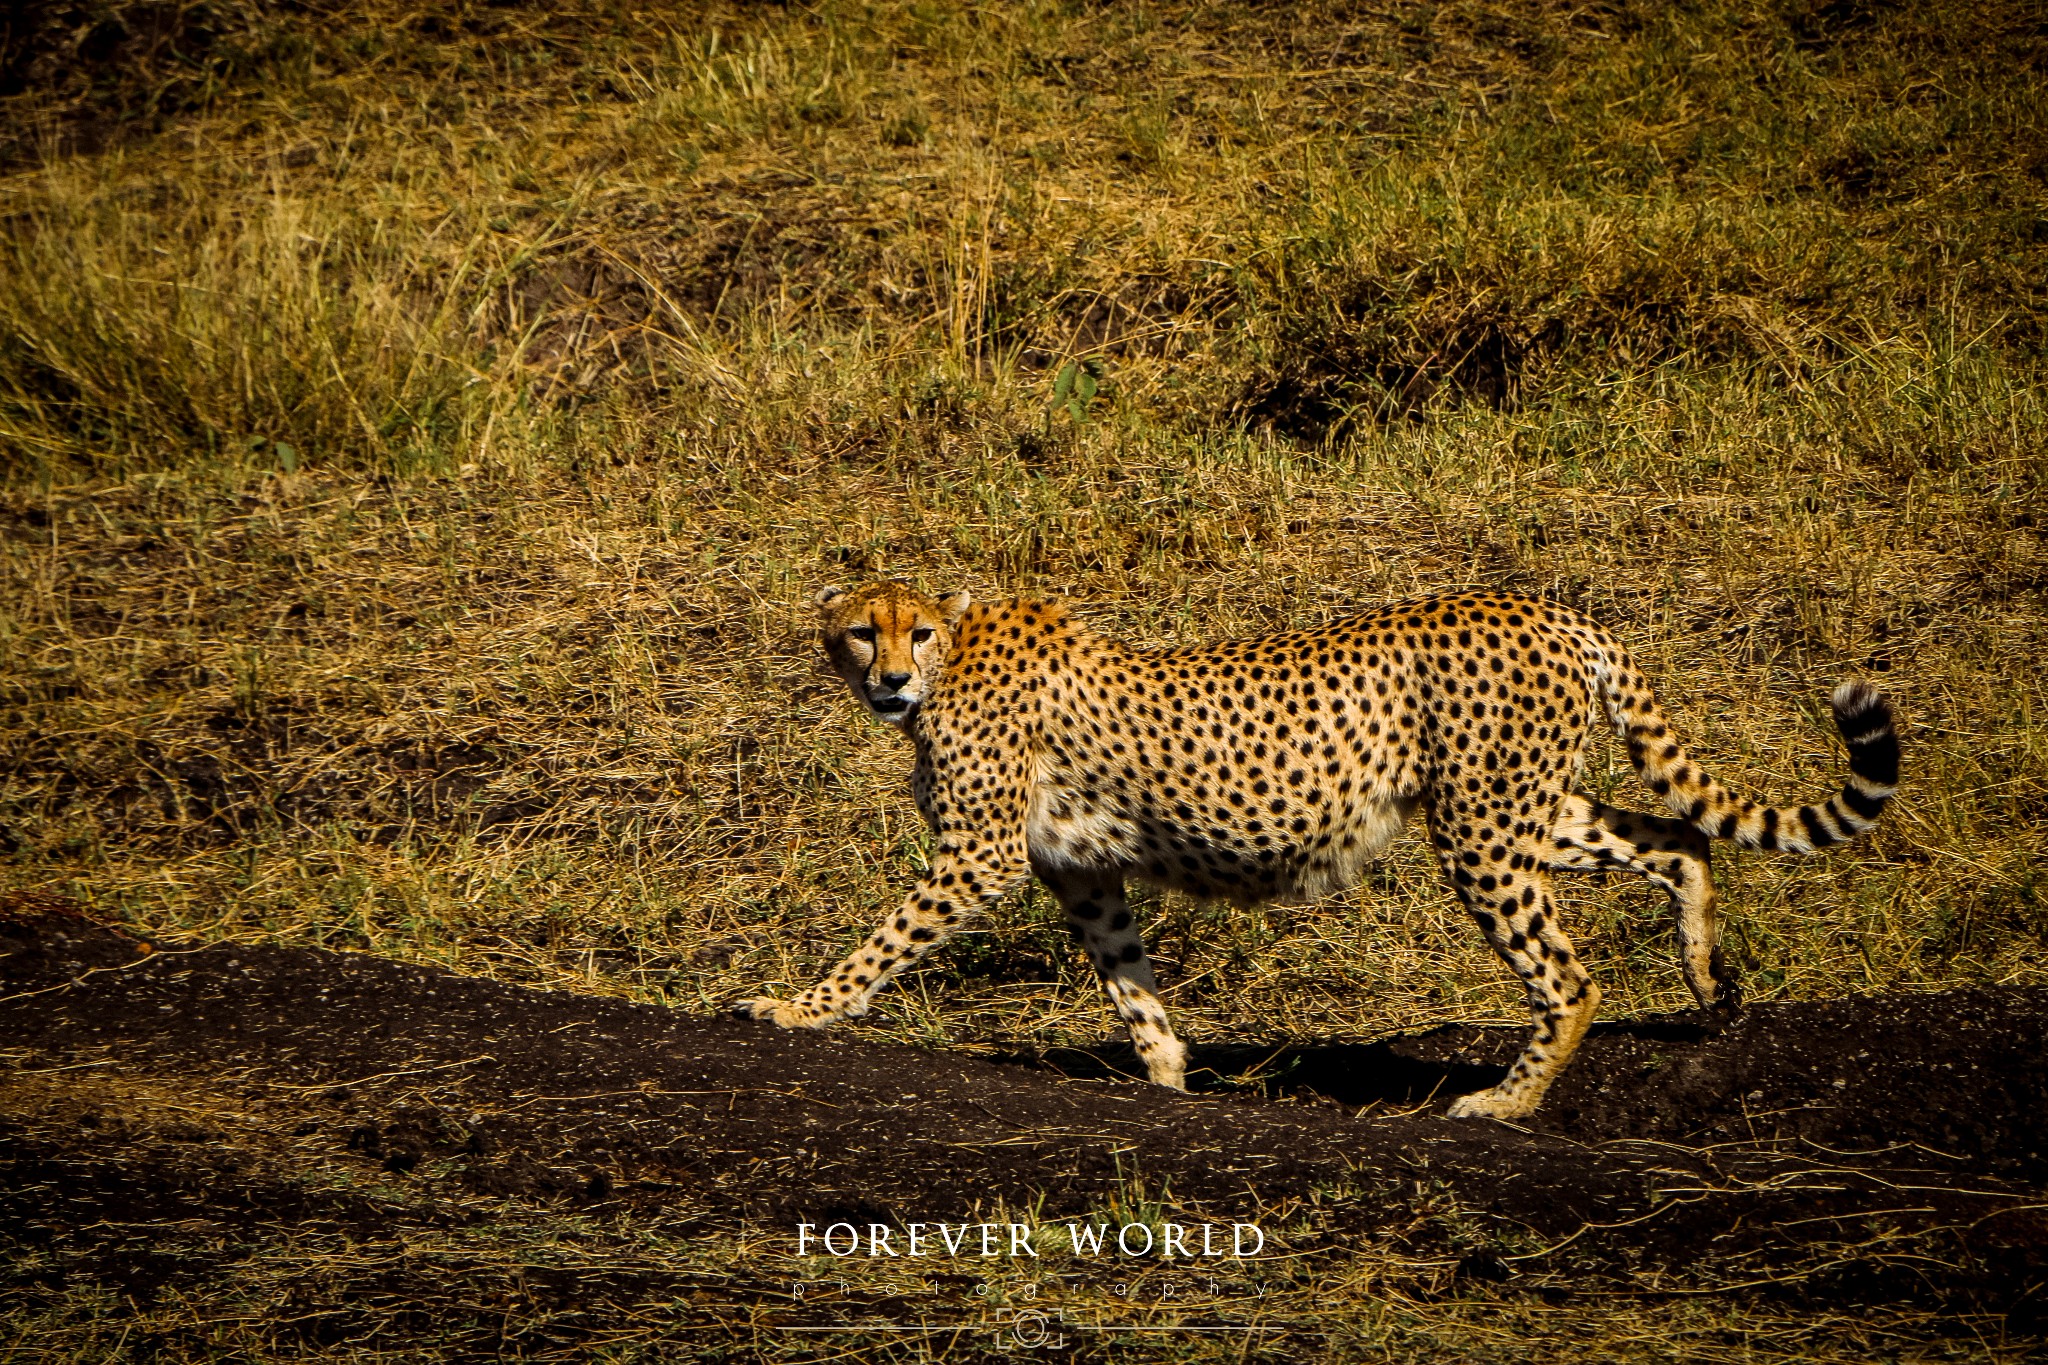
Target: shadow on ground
[
  {"x": 1358, "y": 1076},
  {"x": 1393, "y": 1073}
]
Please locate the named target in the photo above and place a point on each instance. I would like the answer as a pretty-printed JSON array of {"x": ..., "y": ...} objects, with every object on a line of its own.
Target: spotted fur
[{"x": 1277, "y": 768}]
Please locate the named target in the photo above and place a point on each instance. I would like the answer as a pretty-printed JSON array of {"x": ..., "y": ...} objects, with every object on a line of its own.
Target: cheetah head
[{"x": 888, "y": 641}]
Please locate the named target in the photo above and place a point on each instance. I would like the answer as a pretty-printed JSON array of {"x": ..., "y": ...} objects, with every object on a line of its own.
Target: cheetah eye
[
  {"x": 863, "y": 633},
  {"x": 920, "y": 635}
]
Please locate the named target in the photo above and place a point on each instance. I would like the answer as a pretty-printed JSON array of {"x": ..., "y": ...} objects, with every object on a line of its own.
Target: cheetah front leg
[
  {"x": 965, "y": 876},
  {"x": 1101, "y": 919}
]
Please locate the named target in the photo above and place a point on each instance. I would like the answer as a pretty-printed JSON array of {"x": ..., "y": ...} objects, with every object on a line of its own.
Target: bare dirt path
[{"x": 1891, "y": 1146}]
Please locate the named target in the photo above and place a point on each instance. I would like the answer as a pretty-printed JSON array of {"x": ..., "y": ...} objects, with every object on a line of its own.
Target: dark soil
[{"x": 1888, "y": 1147}]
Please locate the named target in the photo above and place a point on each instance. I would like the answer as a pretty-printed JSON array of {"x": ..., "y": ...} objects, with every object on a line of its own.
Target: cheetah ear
[
  {"x": 954, "y": 605},
  {"x": 825, "y": 597}
]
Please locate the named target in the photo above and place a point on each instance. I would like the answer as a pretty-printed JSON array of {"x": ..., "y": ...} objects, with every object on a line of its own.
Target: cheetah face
[{"x": 888, "y": 641}]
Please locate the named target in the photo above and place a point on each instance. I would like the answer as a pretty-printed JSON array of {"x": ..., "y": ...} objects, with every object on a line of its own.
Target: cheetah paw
[
  {"x": 1488, "y": 1104},
  {"x": 781, "y": 1013}
]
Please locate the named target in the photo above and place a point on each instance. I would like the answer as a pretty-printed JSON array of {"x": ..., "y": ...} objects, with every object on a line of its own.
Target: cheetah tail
[{"x": 1862, "y": 714}]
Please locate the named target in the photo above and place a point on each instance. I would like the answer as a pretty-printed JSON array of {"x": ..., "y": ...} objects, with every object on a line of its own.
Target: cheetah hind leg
[
  {"x": 1101, "y": 920},
  {"x": 1518, "y": 914},
  {"x": 1670, "y": 855}
]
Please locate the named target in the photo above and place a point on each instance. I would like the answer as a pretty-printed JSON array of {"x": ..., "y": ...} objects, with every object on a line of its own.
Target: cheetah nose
[{"x": 895, "y": 680}]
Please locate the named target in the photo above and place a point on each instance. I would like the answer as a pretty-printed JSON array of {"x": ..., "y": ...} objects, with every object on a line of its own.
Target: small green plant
[
  {"x": 286, "y": 456},
  {"x": 1076, "y": 386}
]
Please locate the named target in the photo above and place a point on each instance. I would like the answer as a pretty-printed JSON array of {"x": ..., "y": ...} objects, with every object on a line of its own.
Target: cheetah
[{"x": 1277, "y": 768}]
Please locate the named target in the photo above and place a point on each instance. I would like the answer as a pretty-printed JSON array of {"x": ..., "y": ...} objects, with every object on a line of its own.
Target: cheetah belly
[
  {"x": 1353, "y": 843},
  {"x": 1067, "y": 831},
  {"x": 1064, "y": 830},
  {"x": 1293, "y": 871}
]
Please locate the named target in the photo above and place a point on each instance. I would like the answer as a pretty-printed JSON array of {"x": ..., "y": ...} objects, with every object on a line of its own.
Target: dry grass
[{"x": 425, "y": 431}]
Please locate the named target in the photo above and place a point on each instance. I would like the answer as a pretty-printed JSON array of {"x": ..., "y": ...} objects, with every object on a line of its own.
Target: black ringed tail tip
[{"x": 1870, "y": 729}]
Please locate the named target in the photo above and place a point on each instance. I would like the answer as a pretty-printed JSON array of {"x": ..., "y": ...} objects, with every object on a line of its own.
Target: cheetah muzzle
[{"x": 1278, "y": 768}]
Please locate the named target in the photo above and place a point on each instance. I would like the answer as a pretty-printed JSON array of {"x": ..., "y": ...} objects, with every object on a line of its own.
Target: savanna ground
[{"x": 423, "y": 429}]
